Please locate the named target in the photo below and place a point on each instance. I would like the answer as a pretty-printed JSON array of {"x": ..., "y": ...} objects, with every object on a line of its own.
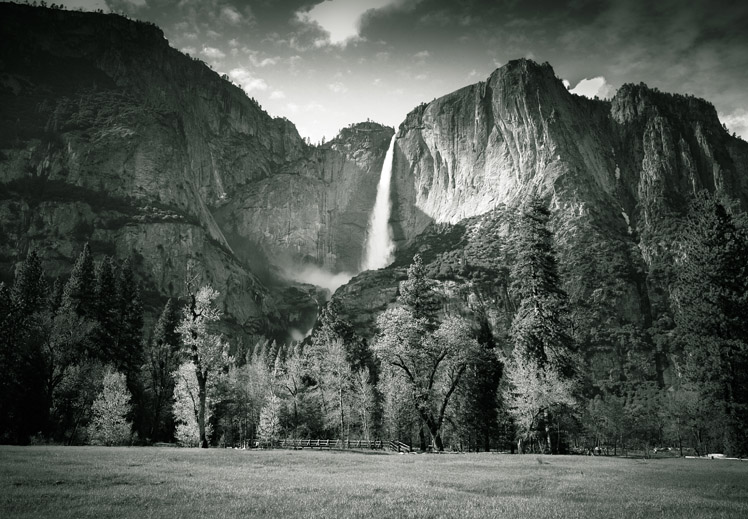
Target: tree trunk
[
  {"x": 438, "y": 445},
  {"x": 202, "y": 397},
  {"x": 342, "y": 416}
]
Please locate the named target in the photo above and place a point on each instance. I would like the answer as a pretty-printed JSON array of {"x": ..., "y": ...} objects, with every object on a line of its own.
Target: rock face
[
  {"x": 522, "y": 132},
  {"x": 315, "y": 209},
  {"x": 110, "y": 136}
]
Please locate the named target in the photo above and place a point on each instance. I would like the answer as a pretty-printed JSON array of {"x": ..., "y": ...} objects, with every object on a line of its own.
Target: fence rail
[
  {"x": 319, "y": 444},
  {"x": 399, "y": 446}
]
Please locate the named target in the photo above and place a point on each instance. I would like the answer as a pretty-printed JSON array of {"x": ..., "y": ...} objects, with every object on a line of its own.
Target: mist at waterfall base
[
  {"x": 314, "y": 275},
  {"x": 379, "y": 250}
]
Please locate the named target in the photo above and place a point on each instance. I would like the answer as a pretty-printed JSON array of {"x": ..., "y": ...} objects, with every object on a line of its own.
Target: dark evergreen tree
[
  {"x": 710, "y": 300},
  {"x": 543, "y": 365},
  {"x": 29, "y": 287},
  {"x": 54, "y": 300},
  {"x": 129, "y": 340},
  {"x": 416, "y": 294},
  {"x": 107, "y": 308},
  {"x": 23, "y": 406},
  {"x": 163, "y": 360},
  {"x": 539, "y": 329},
  {"x": 79, "y": 294},
  {"x": 128, "y": 351},
  {"x": 477, "y": 397},
  {"x": 6, "y": 311}
]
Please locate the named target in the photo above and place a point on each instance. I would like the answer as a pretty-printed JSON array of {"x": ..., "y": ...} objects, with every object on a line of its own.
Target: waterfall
[{"x": 379, "y": 245}]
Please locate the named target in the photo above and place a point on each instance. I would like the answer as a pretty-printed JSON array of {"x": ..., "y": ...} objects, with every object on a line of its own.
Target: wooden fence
[{"x": 331, "y": 444}]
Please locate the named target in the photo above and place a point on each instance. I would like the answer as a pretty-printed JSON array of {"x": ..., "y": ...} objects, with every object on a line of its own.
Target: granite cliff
[
  {"x": 522, "y": 132},
  {"x": 110, "y": 136}
]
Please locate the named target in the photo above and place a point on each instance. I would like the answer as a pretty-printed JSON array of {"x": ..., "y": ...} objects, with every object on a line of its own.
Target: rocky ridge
[{"x": 112, "y": 137}]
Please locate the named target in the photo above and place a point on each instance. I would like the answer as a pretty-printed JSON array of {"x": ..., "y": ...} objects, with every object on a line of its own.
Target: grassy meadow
[{"x": 76, "y": 482}]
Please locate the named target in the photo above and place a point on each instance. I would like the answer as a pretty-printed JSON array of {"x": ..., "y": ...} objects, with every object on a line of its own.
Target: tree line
[{"x": 81, "y": 368}]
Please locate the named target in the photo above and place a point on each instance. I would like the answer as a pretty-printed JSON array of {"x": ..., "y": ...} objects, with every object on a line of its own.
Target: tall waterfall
[{"x": 379, "y": 245}]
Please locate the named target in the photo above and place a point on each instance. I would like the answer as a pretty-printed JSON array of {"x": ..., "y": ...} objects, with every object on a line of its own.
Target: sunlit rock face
[{"x": 522, "y": 132}]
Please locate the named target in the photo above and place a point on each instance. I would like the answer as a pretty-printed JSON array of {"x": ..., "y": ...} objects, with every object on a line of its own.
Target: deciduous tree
[
  {"x": 109, "y": 425},
  {"x": 206, "y": 350}
]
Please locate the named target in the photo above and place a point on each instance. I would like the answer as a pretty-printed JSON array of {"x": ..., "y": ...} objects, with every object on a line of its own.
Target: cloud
[
  {"x": 212, "y": 53},
  {"x": 338, "y": 87},
  {"x": 422, "y": 55},
  {"x": 264, "y": 62},
  {"x": 231, "y": 15},
  {"x": 341, "y": 19},
  {"x": 595, "y": 87},
  {"x": 189, "y": 50},
  {"x": 292, "y": 107},
  {"x": 277, "y": 94},
  {"x": 246, "y": 80},
  {"x": 213, "y": 34},
  {"x": 314, "y": 107}
]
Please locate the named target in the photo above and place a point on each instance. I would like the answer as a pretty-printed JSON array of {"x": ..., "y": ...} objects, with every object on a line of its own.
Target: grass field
[{"x": 60, "y": 482}]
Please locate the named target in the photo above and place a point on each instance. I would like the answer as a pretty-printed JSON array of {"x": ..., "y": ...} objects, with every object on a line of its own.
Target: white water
[{"x": 379, "y": 245}]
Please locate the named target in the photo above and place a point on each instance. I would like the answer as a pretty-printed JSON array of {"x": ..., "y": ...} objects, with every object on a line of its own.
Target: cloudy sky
[{"x": 326, "y": 64}]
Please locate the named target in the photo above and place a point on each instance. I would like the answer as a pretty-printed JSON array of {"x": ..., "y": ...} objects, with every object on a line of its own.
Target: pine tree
[
  {"x": 79, "y": 294},
  {"x": 107, "y": 308},
  {"x": 163, "y": 355},
  {"x": 109, "y": 425},
  {"x": 6, "y": 321},
  {"x": 129, "y": 341},
  {"x": 23, "y": 407},
  {"x": 477, "y": 395},
  {"x": 543, "y": 349},
  {"x": 54, "y": 301},
  {"x": 416, "y": 294},
  {"x": 710, "y": 299},
  {"x": 539, "y": 330},
  {"x": 29, "y": 287}
]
